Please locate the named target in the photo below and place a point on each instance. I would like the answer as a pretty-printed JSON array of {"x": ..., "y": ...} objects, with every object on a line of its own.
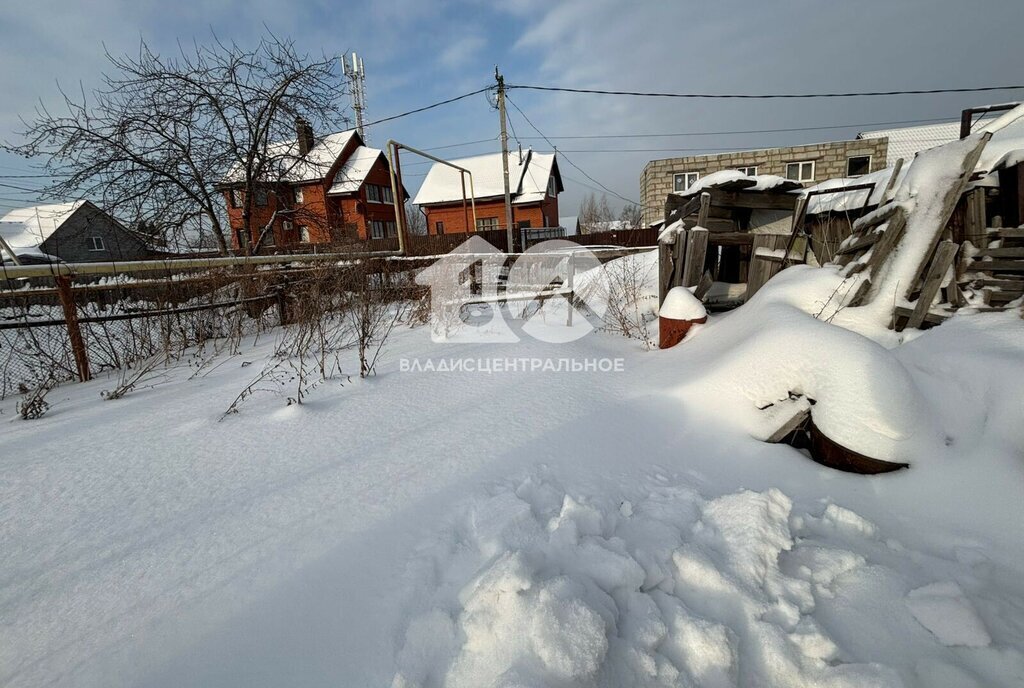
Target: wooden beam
[
  {"x": 944, "y": 255},
  {"x": 997, "y": 266},
  {"x": 1012, "y": 252},
  {"x": 757, "y": 200},
  {"x": 890, "y": 187},
  {"x": 696, "y": 253},
  {"x": 933, "y": 318},
  {"x": 789, "y": 426},
  {"x": 948, "y": 204},
  {"x": 731, "y": 239},
  {"x": 864, "y": 242},
  {"x": 665, "y": 269},
  {"x": 704, "y": 286},
  {"x": 705, "y": 206},
  {"x": 892, "y": 235}
]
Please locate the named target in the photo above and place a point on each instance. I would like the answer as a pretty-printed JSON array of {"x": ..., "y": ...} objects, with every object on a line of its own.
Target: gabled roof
[
  {"x": 528, "y": 178},
  {"x": 906, "y": 142},
  {"x": 30, "y": 227},
  {"x": 295, "y": 168},
  {"x": 353, "y": 172}
]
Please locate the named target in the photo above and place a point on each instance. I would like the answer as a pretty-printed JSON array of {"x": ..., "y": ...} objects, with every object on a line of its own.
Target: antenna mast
[{"x": 356, "y": 75}]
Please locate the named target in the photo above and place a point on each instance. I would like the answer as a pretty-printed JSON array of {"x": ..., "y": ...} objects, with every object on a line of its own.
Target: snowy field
[{"x": 530, "y": 528}]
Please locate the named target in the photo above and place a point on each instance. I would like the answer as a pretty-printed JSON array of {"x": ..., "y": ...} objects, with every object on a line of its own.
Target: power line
[
  {"x": 648, "y": 94},
  {"x": 427, "y": 107},
  {"x": 747, "y": 131},
  {"x": 566, "y": 158}
]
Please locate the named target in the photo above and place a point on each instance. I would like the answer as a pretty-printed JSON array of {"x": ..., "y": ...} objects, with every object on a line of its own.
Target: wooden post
[
  {"x": 705, "y": 208},
  {"x": 696, "y": 254},
  {"x": 67, "y": 302}
]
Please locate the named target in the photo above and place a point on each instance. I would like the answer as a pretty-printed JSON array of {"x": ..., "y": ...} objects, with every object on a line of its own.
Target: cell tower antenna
[{"x": 356, "y": 75}]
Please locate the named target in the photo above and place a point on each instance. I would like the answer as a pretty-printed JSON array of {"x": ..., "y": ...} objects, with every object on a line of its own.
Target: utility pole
[
  {"x": 504, "y": 157},
  {"x": 356, "y": 75}
]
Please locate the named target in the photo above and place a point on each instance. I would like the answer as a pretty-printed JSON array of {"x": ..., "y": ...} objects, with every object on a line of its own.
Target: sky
[{"x": 418, "y": 52}]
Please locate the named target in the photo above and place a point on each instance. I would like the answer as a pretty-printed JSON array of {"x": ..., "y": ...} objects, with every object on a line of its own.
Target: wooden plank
[
  {"x": 974, "y": 218},
  {"x": 731, "y": 239},
  {"x": 704, "y": 286},
  {"x": 665, "y": 269},
  {"x": 876, "y": 218},
  {"x": 705, "y": 206},
  {"x": 754, "y": 200},
  {"x": 67, "y": 302},
  {"x": 678, "y": 255},
  {"x": 1011, "y": 252},
  {"x": 789, "y": 426},
  {"x": 948, "y": 204},
  {"x": 1003, "y": 233},
  {"x": 944, "y": 255},
  {"x": 890, "y": 187},
  {"x": 696, "y": 253},
  {"x": 860, "y": 244},
  {"x": 933, "y": 318},
  {"x": 892, "y": 235},
  {"x": 762, "y": 270},
  {"x": 997, "y": 266}
]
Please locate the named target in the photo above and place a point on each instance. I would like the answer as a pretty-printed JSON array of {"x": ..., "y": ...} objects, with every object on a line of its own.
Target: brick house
[
  {"x": 534, "y": 183},
  {"x": 330, "y": 190},
  {"x": 807, "y": 164}
]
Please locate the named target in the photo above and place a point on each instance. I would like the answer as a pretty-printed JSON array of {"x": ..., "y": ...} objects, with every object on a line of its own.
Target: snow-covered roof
[
  {"x": 528, "y": 178},
  {"x": 30, "y": 227},
  {"x": 353, "y": 172},
  {"x": 1005, "y": 149},
  {"x": 852, "y": 200},
  {"x": 756, "y": 182},
  {"x": 295, "y": 168},
  {"x": 906, "y": 142}
]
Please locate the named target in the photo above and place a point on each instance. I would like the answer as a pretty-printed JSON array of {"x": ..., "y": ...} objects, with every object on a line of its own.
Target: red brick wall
[
  {"x": 323, "y": 215},
  {"x": 455, "y": 222}
]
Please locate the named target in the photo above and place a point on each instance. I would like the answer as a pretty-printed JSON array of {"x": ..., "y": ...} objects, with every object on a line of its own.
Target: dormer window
[
  {"x": 552, "y": 189},
  {"x": 298, "y": 194}
]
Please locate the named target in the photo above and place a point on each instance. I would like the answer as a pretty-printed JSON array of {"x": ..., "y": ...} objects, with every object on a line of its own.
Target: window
[
  {"x": 287, "y": 225},
  {"x": 750, "y": 170},
  {"x": 304, "y": 234},
  {"x": 298, "y": 194},
  {"x": 524, "y": 224},
  {"x": 241, "y": 238},
  {"x": 236, "y": 198},
  {"x": 269, "y": 239},
  {"x": 439, "y": 227},
  {"x": 380, "y": 229},
  {"x": 95, "y": 244},
  {"x": 552, "y": 188},
  {"x": 261, "y": 197},
  {"x": 485, "y": 223},
  {"x": 684, "y": 180},
  {"x": 800, "y": 171},
  {"x": 856, "y": 165},
  {"x": 379, "y": 194}
]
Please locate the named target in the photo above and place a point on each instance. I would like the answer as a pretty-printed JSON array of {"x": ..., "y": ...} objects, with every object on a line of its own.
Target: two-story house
[
  {"x": 325, "y": 190},
  {"x": 534, "y": 184}
]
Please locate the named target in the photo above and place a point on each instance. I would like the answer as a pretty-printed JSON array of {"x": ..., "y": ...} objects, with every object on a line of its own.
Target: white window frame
[
  {"x": 304, "y": 237},
  {"x": 377, "y": 229},
  {"x": 687, "y": 181},
  {"x": 299, "y": 197},
  {"x": 96, "y": 244},
  {"x": 745, "y": 169},
  {"x": 287, "y": 225},
  {"x": 486, "y": 224},
  {"x": 800, "y": 170},
  {"x": 237, "y": 198},
  {"x": 552, "y": 187},
  {"x": 851, "y": 157},
  {"x": 379, "y": 194}
]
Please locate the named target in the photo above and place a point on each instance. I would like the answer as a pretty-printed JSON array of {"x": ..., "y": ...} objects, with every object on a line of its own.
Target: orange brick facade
[
  {"x": 542, "y": 214},
  {"x": 326, "y": 218}
]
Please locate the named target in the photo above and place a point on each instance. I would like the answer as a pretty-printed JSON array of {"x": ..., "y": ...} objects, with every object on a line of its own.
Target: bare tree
[
  {"x": 417, "y": 222},
  {"x": 593, "y": 212},
  {"x": 632, "y": 216},
  {"x": 159, "y": 139}
]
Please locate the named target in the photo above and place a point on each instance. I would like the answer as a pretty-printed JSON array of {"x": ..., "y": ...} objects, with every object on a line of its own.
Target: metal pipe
[{"x": 116, "y": 267}]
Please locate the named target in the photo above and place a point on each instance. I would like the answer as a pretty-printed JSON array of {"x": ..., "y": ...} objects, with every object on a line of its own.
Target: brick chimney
[{"x": 304, "y": 135}]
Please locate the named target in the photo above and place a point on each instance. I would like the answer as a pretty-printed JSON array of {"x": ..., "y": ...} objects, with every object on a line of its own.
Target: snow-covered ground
[{"x": 534, "y": 528}]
